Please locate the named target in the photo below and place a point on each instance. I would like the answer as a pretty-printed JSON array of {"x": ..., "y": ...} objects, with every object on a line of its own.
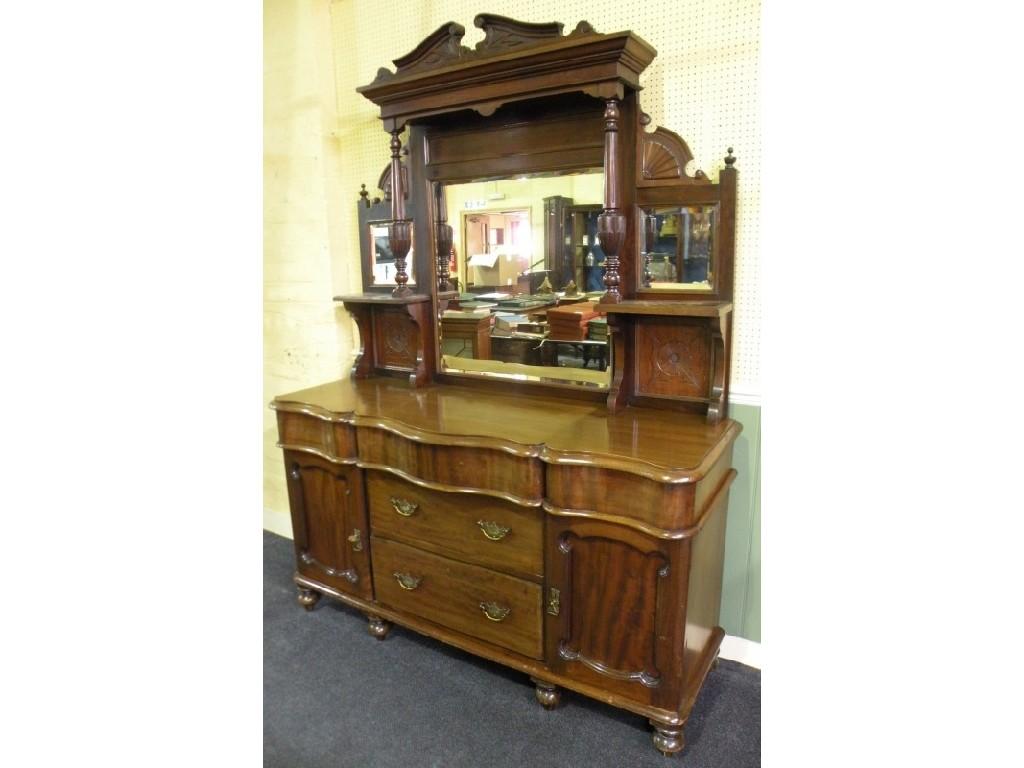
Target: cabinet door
[
  {"x": 614, "y": 609},
  {"x": 329, "y": 522}
]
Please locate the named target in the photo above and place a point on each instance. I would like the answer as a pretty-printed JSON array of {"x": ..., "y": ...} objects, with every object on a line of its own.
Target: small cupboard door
[
  {"x": 614, "y": 609},
  {"x": 329, "y": 522}
]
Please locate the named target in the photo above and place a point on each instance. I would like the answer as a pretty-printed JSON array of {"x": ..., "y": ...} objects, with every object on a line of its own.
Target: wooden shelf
[{"x": 669, "y": 308}]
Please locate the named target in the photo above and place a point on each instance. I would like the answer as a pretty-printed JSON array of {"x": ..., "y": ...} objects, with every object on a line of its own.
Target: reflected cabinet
[{"x": 531, "y": 458}]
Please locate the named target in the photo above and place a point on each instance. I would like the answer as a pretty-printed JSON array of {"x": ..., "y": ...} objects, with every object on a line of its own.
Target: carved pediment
[
  {"x": 501, "y": 35},
  {"x": 664, "y": 157},
  {"x": 444, "y": 46},
  {"x": 504, "y": 34}
]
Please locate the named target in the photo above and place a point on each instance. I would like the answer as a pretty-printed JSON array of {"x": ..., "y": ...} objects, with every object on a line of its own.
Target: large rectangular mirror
[{"x": 528, "y": 269}]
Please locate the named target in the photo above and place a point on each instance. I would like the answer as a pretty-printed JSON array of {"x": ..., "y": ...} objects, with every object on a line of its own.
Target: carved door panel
[
  {"x": 329, "y": 522},
  {"x": 614, "y": 609}
]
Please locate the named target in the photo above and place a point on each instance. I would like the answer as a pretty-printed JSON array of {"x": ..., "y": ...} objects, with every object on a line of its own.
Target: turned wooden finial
[
  {"x": 729, "y": 159},
  {"x": 364, "y": 195}
]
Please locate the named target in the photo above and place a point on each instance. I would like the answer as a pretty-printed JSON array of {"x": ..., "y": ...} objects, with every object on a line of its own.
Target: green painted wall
[{"x": 741, "y": 580}]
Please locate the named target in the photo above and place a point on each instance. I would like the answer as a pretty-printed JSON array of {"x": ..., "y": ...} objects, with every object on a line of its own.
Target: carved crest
[
  {"x": 501, "y": 34},
  {"x": 442, "y": 47},
  {"x": 505, "y": 34},
  {"x": 664, "y": 157}
]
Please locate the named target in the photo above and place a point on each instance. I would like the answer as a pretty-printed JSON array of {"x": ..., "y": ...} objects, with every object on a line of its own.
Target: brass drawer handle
[
  {"x": 407, "y": 580},
  {"x": 403, "y": 507},
  {"x": 493, "y": 531},
  {"x": 495, "y": 612},
  {"x": 356, "y": 540}
]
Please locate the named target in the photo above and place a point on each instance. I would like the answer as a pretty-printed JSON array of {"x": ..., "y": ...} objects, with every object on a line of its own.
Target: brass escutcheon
[
  {"x": 494, "y": 612},
  {"x": 407, "y": 580},
  {"x": 554, "y": 602},
  {"x": 403, "y": 507},
  {"x": 356, "y": 539},
  {"x": 493, "y": 531}
]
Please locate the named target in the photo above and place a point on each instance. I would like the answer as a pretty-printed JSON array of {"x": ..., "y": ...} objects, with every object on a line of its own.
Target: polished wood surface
[
  {"x": 329, "y": 522},
  {"x": 479, "y": 602},
  {"x": 663, "y": 446},
  {"x": 519, "y": 479},
  {"x": 477, "y": 529},
  {"x": 443, "y": 76},
  {"x": 574, "y": 535}
]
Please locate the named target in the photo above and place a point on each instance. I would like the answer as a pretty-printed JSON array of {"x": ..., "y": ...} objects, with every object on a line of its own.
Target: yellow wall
[{"x": 322, "y": 140}]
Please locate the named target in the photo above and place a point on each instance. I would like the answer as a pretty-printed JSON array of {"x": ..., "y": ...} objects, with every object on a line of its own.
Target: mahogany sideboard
[
  {"x": 565, "y": 522},
  {"x": 582, "y": 548}
]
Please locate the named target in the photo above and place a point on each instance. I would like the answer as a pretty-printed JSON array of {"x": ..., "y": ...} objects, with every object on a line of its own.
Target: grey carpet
[{"x": 334, "y": 696}]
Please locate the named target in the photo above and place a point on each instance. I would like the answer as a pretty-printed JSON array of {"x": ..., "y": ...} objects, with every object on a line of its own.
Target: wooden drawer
[
  {"x": 456, "y": 594},
  {"x": 302, "y": 432},
  {"x": 495, "y": 472},
  {"x": 468, "y": 526}
]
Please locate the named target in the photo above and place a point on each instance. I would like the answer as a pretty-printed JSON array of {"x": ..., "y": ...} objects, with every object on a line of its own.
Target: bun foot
[
  {"x": 667, "y": 739},
  {"x": 547, "y": 694},
  {"x": 308, "y": 598},
  {"x": 378, "y": 627}
]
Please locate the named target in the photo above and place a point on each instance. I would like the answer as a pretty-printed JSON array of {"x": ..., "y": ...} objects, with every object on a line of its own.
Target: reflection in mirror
[
  {"x": 527, "y": 270},
  {"x": 383, "y": 260},
  {"x": 679, "y": 247}
]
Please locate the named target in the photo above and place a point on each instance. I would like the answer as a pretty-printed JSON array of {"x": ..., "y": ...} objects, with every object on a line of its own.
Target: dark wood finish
[
  {"x": 479, "y": 602},
  {"x": 547, "y": 694},
  {"x": 662, "y": 161},
  {"x": 665, "y": 446},
  {"x": 519, "y": 479},
  {"x": 399, "y": 230},
  {"x": 699, "y": 190},
  {"x": 315, "y": 434},
  {"x": 328, "y": 522},
  {"x": 377, "y": 627},
  {"x": 667, "y": 739},
  {"x": 442, "y": 76},
  {"x": 680, "y": 355},
  {"x": 569, "y": 139},
  {"x": 395, "y": 335},
  {"x": 444, "y": 241},
  {"x": 477, "y": 529},
  {"x": 308, "y": 598},
  {"x": 573, "y": 535}
]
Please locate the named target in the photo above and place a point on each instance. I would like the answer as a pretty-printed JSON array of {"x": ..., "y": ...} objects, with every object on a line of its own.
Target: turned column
[
  {"x": 399, "y": 230},
  {"x": 611, "y": 224},
  {"x": 444, "y": 240}
]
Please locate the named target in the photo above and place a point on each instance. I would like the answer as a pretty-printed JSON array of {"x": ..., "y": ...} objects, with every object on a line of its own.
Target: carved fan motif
[{"x": 665, "y": 156}]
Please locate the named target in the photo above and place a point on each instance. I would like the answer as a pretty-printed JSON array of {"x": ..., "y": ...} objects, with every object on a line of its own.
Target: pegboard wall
[{"x": 704, "y": 85}]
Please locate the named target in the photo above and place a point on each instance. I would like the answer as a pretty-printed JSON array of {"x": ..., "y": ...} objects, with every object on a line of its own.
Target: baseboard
[
  {"x": 744, "y": 398},
  {"x": 277, "y": 522},
  {"x": 742, "y": 650}
]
